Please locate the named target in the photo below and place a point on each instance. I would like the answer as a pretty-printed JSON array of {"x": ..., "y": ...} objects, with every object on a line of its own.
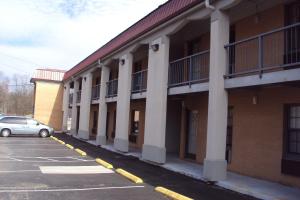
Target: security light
[
  {"x": 122, "y": 61},
  {"x": 155, "y": 47}
]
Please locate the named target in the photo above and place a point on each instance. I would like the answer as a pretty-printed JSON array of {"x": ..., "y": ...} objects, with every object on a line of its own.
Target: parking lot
[{"x": 36, "y": 168}]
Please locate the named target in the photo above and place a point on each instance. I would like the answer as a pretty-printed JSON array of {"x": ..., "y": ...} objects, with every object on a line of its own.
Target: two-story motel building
[{"x": 214, "y": 82}]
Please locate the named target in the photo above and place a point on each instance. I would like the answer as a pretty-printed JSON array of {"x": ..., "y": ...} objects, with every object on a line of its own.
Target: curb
[
  {"x": 61, "y": 142},
  {"x": 104, "y": 163},
  {"x": 69, "y": 146},
  {"x": 54, "y": 138},
  {"x": 171, "y": 194},
  {"x": 130, "y": 176},
  {"x": 82, "y": 153}
]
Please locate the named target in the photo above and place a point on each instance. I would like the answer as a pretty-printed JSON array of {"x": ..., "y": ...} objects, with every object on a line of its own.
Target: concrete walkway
[{"x": 243, "y": 184}]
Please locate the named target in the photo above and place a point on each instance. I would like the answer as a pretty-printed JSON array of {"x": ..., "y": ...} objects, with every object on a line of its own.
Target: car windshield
[{"x": 40, "y": 122}]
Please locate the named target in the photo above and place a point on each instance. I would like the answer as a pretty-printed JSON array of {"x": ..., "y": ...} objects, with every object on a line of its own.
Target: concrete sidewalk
[{"x": 243, "y": 184}]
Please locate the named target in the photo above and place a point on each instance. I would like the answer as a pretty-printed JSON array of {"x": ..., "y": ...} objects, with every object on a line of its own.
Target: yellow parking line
[
  {"x": 61, "y": 142},
  {"x": 171, "y": 194},
  {"x": 54, "y": 138},
  {"x": 104, "y": 163},
  {"x": 69, "y": 146},
  {"x": 82, "y": 153},
  {"x": 130, "y": 176}
]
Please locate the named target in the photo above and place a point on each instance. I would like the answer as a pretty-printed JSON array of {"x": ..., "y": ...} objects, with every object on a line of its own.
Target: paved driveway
[{"x": 39, "y": 169}]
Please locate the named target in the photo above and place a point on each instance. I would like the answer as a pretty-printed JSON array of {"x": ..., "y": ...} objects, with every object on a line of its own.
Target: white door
[{"x": 192, "y": 131}]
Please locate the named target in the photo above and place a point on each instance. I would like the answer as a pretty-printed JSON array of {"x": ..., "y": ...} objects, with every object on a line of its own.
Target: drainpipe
[{"x": 207, "y": 5}]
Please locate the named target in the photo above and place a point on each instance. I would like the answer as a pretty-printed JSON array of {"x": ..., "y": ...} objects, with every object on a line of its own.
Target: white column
[
  {"x": 123, "y": 103},
  {"x": 85, "y": 106},
  {"x": 101, "y": 133},
  {"x": 74, "y": 108},
  {"x": 65, "y": 108},
  {"x": 156, "y": 103},
  {"x": 215, "y": 165}
]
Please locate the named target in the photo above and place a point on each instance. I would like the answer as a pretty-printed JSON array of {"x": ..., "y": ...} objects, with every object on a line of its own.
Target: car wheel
[
  {"x": 5, "y": 132},
  {"x": 44, "y": 133}
]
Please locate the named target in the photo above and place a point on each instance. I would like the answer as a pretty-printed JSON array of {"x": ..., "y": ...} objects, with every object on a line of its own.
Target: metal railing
[
  {"x": 139, "y": 81},
  {"x": 189, "y": 70},
  {"x": 96, "y": 92},
  {"x": 275, "y": 50},
  {"x": 112, "y": 88},
  {"x": 70, "y": 98},
  {"x": 78, "y": 97}
]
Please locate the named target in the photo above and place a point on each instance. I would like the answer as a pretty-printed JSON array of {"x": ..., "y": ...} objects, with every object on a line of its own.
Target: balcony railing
[
  {"x": 78, "y": 99},
  {"x": 268, "y": 52},
  {"x": 139, "y": 81},
  {"x": 189, "y": 70},
  {"x": 95, "y": 92},
  {"x": 70, "y": 98},
  {"x": 112, "y": 88}
]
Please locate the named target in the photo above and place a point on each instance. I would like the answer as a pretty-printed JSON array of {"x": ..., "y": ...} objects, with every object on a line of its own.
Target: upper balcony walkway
[
  {"x": 267, "y": 58},
  {"x": 112, "y": 88},
  {"x": 186, "y": 74},
  {"x": 95, "y": 92}
]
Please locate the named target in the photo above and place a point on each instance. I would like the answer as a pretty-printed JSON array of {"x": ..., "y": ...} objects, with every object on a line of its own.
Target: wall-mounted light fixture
[
  {"x": 154, "y": 47},
  {"x": 122, "y": 61}
]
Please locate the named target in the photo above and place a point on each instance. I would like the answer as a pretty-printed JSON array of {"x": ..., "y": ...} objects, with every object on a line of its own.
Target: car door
[{"x": 32, "y": 127}]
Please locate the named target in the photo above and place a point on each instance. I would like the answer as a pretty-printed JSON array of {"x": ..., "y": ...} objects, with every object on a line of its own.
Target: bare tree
[
  {"x": 3, "y": 93},
  {"x": 16, "y": 95}
]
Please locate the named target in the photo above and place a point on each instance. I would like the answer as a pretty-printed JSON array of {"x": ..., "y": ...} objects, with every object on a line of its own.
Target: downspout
[{"x": 208, "y": 5}]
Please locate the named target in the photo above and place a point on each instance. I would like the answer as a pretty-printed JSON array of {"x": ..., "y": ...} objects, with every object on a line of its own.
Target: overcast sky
[{"x": 61, "y": 33}]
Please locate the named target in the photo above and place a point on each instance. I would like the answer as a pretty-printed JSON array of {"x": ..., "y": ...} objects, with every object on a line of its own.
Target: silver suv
[{"x": 15, "y": 125}]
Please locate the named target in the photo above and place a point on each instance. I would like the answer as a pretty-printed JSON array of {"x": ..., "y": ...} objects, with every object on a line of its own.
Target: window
[
  {"x": 293, "y": 131},
  {"x": 31, "y": 122},
  {"x": 13, "y": 120},
  {"x": 135, "y": 120},
  {"x": 290, "y": 163},
  {"x": 95, "y": 122},
  {"x": 229, "y": 134},
  {"x": 114, "y": 124}
]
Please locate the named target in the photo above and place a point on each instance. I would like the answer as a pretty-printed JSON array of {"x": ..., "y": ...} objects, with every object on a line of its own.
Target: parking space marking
[
  {"x": 17, "y": 144},
  {"x": 79, "y": 159},
  {"x": 49, "y": 159},
  {"x": 75, "y": 170},
  {"x": 19, "y": 171},
  {"x": 45, "y": 161},
  {"x": 69, "y": 159},
  {"x": 15, "y": 159},
  {"x": 70, "y": 189},
  {"x": 39, "y": 149}
]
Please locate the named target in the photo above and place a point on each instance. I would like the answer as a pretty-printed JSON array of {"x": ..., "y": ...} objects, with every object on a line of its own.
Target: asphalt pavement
[
  {"x": 154, "y": 175},
  {"x": 41, "y": 169}
]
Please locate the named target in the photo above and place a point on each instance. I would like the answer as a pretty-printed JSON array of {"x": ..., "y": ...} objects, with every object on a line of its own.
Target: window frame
[
  {"x": 14, "y": 120},
  {"x": 286, "y": 147},
  {"x": 134, "y": 131}
]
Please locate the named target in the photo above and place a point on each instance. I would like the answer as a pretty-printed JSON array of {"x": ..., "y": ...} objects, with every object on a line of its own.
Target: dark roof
[{"x": 160, "y": 15}]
